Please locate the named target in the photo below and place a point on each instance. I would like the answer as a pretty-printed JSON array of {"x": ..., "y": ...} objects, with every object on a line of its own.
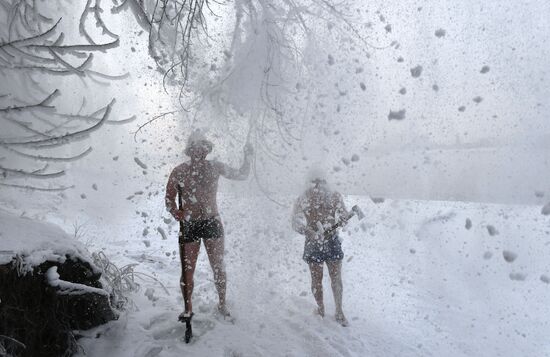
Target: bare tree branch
[
  {"x": 160, "y": 116},
  {"x": 23, "y": 41},
  {"x": 92, "y": 118},
  {"x": 34, "y": 174},
  {"x": 63, "y": 139},
  {"x": 34, "y": 188},
  {"x": 44, "y": 104},
  {"x": 80, "y": 47},
  {"x": 50, "y": 158},
  {"x": 77, "y": 70}
]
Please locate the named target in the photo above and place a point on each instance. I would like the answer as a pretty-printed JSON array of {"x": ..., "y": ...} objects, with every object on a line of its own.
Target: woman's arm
[{"x": 298, "y": 218}]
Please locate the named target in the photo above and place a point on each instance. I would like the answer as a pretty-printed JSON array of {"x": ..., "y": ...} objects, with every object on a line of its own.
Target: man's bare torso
[{"x": 197, "y": 183}]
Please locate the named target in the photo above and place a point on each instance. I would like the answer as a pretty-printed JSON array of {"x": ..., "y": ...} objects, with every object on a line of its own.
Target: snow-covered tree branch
[{"x": 39, "y": 50}]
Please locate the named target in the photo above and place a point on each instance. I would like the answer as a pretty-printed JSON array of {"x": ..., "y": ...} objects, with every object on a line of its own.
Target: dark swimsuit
[
  {"x": 193, "y": 231},
  {"x": 323, "y": 251}
]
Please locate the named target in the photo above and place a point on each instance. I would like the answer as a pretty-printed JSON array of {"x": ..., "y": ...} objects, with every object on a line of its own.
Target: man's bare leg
[
  {"x": 215, "y": 252},
  {"x": 316, "y": 271},
  {"x": 188, "y": 264},
  {"x": 335, "y": 272}
]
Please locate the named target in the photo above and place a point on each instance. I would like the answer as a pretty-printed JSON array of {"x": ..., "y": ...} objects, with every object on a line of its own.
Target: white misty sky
[{"x": 510, "y": 38}]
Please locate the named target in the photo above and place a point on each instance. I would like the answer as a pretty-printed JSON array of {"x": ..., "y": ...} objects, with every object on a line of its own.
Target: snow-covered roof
[{"x": 35, "y": 242}]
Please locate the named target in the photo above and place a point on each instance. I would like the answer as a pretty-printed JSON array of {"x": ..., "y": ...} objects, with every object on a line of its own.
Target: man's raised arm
[{"x": 241, "y": 173}]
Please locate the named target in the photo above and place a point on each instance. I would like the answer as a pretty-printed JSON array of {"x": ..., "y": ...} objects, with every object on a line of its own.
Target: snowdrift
[{"x": 48, "y": 288}]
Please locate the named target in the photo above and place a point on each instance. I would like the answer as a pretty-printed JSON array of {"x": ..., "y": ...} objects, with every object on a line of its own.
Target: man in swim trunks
[
  {"x": 195, "y": 184},
  {"x": 321, "y": 208}
]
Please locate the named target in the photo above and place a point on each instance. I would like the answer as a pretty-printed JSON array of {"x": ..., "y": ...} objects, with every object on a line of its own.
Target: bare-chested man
[
  {"x": 322, "y": 209},
  {"x": 195, "y": 184}
]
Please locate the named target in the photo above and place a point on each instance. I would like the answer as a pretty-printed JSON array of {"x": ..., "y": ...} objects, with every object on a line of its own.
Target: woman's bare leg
[
  {"x": 215, "y": 252},
  {"x": 188, "y": 257},
  {"x": 335, "y": 272},
  {"x": 316, "y": 270}
]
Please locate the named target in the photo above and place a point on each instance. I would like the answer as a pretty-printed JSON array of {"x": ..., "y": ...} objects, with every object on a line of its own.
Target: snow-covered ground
[
  {"x": 417, "y": 282},
  {"x": 35, "y": 242}
]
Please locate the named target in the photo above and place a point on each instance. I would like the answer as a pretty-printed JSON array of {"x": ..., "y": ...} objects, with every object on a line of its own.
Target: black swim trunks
[
  {"x": 326, "y": 250},
  {"x": 193, "y": 231}
]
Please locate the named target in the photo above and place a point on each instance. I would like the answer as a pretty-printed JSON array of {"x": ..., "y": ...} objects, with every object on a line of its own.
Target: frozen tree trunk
[{"x": 39, "y": 315}]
